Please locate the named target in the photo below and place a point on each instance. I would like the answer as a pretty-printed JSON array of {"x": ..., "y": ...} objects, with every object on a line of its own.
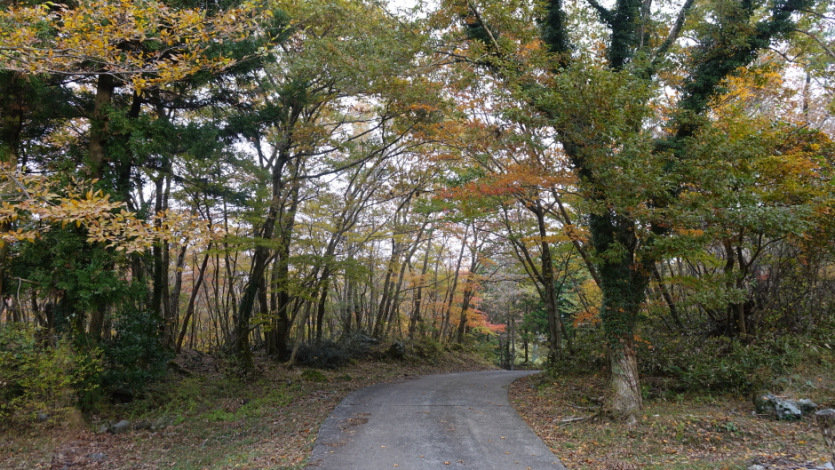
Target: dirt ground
[
  {"x": 268, "y": 421},
  {"x": 691, "y": 432}
]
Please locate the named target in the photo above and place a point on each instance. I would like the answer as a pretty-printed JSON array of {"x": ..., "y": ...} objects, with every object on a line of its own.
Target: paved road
[{"x": 449, "y": 421}]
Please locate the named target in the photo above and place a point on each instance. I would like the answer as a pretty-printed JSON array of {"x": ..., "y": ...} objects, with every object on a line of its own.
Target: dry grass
[
  {"x": 684, "y": 432},
  {"x": 269, "y": 421}
]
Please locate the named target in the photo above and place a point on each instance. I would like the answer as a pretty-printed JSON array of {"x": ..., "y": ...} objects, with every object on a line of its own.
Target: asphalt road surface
[{"x": 449, "y": 421}]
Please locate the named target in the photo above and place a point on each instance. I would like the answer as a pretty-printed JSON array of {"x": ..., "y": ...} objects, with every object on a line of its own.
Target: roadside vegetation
[
  {"x": 637, "y": 189},
  {"x": 684, "y": 425},
  {"x": 200, "y": 417}
]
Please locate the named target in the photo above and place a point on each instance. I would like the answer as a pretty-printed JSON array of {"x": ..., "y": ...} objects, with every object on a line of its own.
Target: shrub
[
  {"x": 586, "y": 355},
  {"x": 134, "y": 357},
  {"x": 38, "y": 379},
  {"x": 428, "y": 348},
  {"x": 720, "y": 363},
  {"x": 323, "y": 355}
]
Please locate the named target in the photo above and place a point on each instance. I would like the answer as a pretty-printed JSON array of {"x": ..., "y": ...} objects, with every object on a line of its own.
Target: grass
[
  {"x": 269, "y": 421},
  {"x": 693, "y": 431}
]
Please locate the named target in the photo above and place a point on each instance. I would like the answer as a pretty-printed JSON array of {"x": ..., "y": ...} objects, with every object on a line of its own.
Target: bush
[
  {"x": 428, "y": 348},
  {"x": 323, "y": 355},
  {"x": 587, "y": 354},
  {"x": 332, "y": 355},
  {"x": 720, "y": 363},
  {"x": 38, "y": 379},
  {"x": 134, "y": 357}
]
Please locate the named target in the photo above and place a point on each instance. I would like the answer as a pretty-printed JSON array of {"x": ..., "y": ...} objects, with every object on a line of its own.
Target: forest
[{"x": 636, "y": 188}]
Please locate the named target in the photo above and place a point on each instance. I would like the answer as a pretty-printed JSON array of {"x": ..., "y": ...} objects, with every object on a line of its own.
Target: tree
[{"x": 599, "y": 103}]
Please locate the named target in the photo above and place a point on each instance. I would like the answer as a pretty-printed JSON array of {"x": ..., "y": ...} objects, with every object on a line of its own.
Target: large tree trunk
[
  {"x": 174, "y": 297},
  {"x": 160, "y": 292},
  {"x": 465, "y": 306},
  {"x": 624, "y": 398},
  {"x": 624, "y": 286},
  {"x": 279, "y": 336}
]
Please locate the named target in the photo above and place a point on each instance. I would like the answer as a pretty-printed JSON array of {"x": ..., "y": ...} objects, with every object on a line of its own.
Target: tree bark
[
  {"x": 548, "y": 281},
  {"x": 174, "y": 297},
  {"x": 413, "y": 319},
  {"x": 382, "y": 311},
  {"x": 323, "y": 297},
  {"x": 240, "y": 348},
  {"x": 105, "y": 87},
  {"x": 451, "y": 294},
  {"x": 624, "y": 401},
  {"x": 192, "y": 299}
]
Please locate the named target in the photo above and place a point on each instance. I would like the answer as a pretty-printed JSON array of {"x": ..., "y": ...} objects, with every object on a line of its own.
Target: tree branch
[
  {"x": 484, "y": 25},
  {"x": 605, "y": 15},
  {"x": 817, "y": 40},
  {"x": 674, "y": 34}
]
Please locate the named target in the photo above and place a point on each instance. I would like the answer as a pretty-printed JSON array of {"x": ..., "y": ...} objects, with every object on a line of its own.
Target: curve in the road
[{"x": 449, "y": 421}]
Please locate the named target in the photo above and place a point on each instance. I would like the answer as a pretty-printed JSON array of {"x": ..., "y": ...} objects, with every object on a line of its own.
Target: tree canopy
[{"x": 587, "y": 179}]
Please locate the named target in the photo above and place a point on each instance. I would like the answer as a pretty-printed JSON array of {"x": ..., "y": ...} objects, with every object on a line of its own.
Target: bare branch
[
  {"x": 817, "y": 40},
  {"x": 484, "y": 25},
  {"x": 674, "y": 34}
]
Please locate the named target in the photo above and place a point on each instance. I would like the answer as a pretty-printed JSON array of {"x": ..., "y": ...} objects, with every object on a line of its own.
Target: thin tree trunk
[
  {"x": 454, "y": 285},
  {"x": 174, "y": 297},
  {"x": 667, "y": 297},
  {"x": 99, "y": 124},
  {"x": 323, "y": 297},
  {"x": 413, "y": 320},
  {"x": 192, "y": 299},
  {"x": 387, "y": 285},
  {"x": 547, "y": 272}
]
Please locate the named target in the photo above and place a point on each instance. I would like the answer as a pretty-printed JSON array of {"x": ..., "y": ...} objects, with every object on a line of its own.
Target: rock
[
  {"x": 104, "y": 428},
  {"x": 120, "y": 427},
  {"x": 826, "y": 421},
  {"x": 807, "y": 406},
  {"x": 756, "y": 467},
  {"x": 142, "y": 425},
  {"x": 96, "y": 456},
  {"x": 780, "y": 408},
  {"x": 161, "y": 423},
  {"x": 787, "y": 410},
  {"x": 42, "y": 417},
  {"x": 362, "y": 338},
  {"x": 397, "y": 350},
  {"x": 827, "y": 466}
]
